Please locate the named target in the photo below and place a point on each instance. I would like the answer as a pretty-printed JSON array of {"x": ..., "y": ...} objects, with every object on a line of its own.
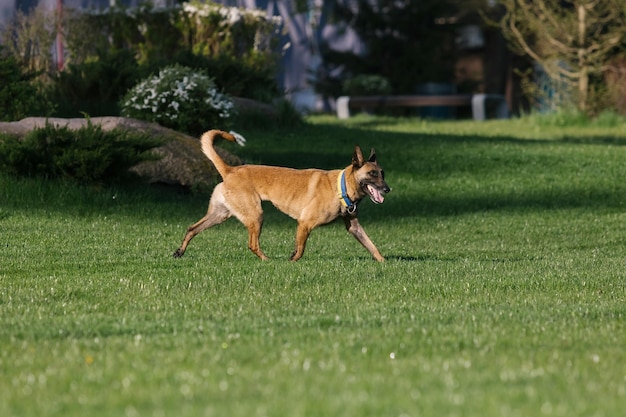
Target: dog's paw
[{"x": 177, "y": 253}]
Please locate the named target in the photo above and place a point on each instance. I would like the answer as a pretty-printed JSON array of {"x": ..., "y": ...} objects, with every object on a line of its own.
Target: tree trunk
[
  {"x": 583, "y": 78},
  {"x": 583, "y": 89}
]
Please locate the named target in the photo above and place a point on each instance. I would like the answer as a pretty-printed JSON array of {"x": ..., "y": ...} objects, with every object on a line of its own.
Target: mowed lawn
[{"x": 503, "y": 294}]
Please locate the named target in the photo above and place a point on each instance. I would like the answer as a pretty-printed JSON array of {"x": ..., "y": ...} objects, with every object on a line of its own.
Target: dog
[{"x": 313, "y": 197}]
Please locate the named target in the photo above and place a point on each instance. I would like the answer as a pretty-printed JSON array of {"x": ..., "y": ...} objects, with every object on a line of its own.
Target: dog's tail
[{"x": 207, "y": 147}]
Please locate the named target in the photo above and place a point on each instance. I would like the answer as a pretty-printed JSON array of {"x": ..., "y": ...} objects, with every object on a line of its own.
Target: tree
[{"x": 573, "y": 40}]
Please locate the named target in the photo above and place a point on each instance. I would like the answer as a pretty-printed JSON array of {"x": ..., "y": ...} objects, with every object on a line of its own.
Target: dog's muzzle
[{"x": 376, "y": 194}]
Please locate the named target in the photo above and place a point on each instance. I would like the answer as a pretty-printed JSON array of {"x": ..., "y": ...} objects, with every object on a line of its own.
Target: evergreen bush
[
  {"x": 19, "y": 97},
  {"x": 95, "y": 86},
  {"x": 88, "y": 155}
]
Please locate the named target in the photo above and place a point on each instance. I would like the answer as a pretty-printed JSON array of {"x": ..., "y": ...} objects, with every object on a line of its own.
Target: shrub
[
  {"x": 250, "y": 78},
  {"x": 179, "y": 98},
  {"x": 284, "y": 115},
  {"x": 88, "y": 155},
  {"x": 94, "y": 86},
  {"x": 362, "y": 85},
  {"x": 237, "y": 77},
  {"x": 19, "y": 97}
]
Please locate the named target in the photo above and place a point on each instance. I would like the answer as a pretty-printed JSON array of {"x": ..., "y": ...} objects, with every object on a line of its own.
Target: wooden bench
[{"x": 478, "y": 102}]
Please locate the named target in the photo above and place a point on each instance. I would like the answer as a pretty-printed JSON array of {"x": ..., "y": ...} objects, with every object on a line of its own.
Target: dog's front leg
[{"x": 354, "y": 227}]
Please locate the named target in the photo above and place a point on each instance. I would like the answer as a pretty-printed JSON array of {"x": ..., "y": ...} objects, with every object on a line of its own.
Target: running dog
[{"x": 313, "y": 197}]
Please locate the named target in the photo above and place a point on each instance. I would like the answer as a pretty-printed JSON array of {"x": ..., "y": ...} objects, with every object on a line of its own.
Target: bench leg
[
  {"x": 343, "y": 107},
  {"x": 479, "y": 106}
]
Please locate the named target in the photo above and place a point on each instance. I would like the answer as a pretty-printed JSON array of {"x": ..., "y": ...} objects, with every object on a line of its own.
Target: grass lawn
[{"x": 503, "y": 294}]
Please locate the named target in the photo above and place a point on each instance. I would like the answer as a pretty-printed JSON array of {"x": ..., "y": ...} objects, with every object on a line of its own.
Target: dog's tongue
[{"x": 375, "y": 195}]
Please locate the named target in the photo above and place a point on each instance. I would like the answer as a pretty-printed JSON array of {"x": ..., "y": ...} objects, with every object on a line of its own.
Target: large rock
[
  {"x": 182, "y": 161},
  {"x": 249, "y": 106}
]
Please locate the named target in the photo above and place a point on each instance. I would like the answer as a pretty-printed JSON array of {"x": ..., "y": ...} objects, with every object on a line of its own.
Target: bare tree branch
[
  {"x": 549, "y": 15},
  {"x": 571, "y": 42}
]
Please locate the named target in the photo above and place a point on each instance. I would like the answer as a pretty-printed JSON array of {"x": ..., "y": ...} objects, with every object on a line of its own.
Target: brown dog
[{"x": 311, "y": 196}]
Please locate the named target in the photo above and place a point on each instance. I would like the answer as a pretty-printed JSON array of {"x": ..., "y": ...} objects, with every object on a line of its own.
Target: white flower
[{"x": 175, "y": 91}]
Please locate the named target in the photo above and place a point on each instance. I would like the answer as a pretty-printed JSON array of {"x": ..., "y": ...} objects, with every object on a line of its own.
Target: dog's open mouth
[{"x": 375, "y": 195}]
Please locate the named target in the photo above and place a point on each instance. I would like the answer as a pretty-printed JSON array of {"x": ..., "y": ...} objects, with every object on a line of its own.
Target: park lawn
[{"x": 503, "y": 294}]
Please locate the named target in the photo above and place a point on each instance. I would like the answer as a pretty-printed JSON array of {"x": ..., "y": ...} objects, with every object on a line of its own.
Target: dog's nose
[{"x": 386, "y": 189}]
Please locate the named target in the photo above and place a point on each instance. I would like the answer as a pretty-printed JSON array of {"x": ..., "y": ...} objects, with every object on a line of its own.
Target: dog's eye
[{"x": 374, "y": 174}]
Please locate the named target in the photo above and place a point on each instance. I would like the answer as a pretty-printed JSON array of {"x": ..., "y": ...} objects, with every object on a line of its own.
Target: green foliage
[
  {"x": 610, "y": 118},
  {"x": 19, "y": 97},
  {"x": 94, "y": 86},
  {"x": 288, "y": 115},
  {"x": 503, "y": 293},
  {"x": 573, "y": 117},
  {"x": 150, "y": 33},
  {"x": 362, "y": 85},
  {"x": 249, "y": 78},
  {"x": 211, "y": 29},
  {"x": 88, "y": 155},
  {"x": 403, "y": 42},
  {"x": 107, "y": 52},
  {"x": 285, "y": 116},
  {"x": 180, "y": 98},
  {"x": 238, "y": 77},
  {"x": 237, "y": 47}
]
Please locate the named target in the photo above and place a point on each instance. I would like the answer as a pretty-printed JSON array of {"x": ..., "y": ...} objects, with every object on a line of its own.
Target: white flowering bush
[{"x": 179, "y": 98}]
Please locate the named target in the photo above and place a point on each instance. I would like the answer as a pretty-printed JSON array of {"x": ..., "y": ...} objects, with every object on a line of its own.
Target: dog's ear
[
  {"x": 357, "y": 158},
  {"x": 372, "y": 157}
]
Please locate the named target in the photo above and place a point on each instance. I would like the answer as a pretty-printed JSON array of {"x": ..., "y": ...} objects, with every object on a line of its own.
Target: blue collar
[{"x": 342, "y": 192}]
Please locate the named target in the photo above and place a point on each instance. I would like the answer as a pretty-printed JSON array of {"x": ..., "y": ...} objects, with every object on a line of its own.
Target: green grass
[{"x": 504, "y": 292}]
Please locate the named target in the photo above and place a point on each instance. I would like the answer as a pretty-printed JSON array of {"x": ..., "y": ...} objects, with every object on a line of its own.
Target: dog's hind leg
[
  {"x": 246, "y": 206},
  {"x": 302, "y": 235},
  {"x": 254, "y": 227},
  {"x": 217, "y": 213}
]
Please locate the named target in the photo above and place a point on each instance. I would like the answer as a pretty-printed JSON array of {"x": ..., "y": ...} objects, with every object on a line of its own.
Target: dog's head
[{"x": 369, "y": 175}]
